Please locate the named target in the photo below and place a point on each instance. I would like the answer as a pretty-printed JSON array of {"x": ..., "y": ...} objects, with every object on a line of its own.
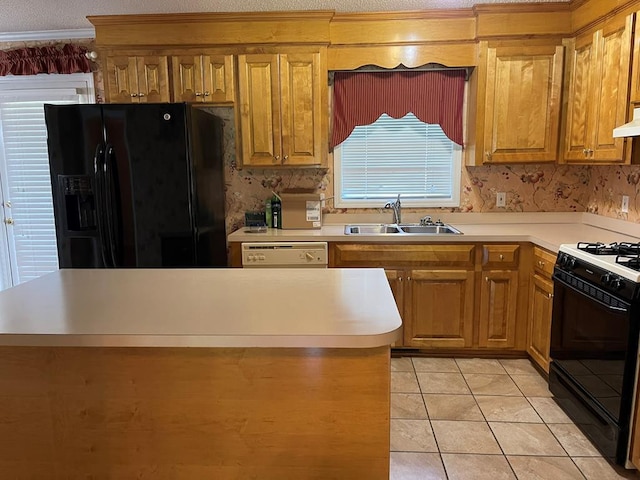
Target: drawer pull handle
[
  {"x": 501, "y": 257},
  {"x": 486, "y": 279}
]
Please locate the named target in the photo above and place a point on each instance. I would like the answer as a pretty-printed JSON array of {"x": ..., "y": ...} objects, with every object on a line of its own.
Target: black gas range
[{"x": 594, "y": 340}]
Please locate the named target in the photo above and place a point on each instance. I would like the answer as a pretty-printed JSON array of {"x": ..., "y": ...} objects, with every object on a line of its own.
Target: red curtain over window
[
  {"x": 51, "y": 59},
  {"x": 435, "y": 97}
]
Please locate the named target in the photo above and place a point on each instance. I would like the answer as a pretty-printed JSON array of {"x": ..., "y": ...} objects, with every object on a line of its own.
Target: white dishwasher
[{"x": 285, "y": 255}]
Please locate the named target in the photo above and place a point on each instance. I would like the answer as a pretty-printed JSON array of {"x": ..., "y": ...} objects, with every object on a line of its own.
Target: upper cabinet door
[
  {"x": 522, "y": 103},
  {"x": 611, "y": 84},
  {"x": 598, "y": 94},
  {"x": 137, "y": 79},
  {"x": 301, "y": 94},
  {"x": 153, "y": 79},
  {"x": 217, "y": 78},
  {"x": 577, "y": 136},
  {"x": 187, "y": 78},
  {"x": 203, "y": 78},
  {"x": 122, "y": 79},
  {"x": 259, "y": 109}
]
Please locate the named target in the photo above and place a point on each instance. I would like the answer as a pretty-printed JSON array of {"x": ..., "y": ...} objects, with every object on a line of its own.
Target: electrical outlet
[
  {"x": 625, "y": 204},
  {"x": 501, "y": 199}
]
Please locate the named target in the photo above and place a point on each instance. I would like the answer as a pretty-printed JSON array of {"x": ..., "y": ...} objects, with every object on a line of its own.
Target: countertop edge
[{"x": 202, "y": 341}]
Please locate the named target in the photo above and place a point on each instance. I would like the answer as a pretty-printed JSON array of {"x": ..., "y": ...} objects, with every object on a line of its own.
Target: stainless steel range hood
[{"x": 631, "y": 129}]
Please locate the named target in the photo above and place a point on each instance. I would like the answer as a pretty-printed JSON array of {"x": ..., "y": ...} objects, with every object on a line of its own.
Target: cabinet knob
[
  {"x": 488, "y": 155},
  {"x": 550, "y": 295},
  {"x": 141, "y": 94},
  {"x": 585, "y": 152},
  {"x": 206, "y": 94},
  {"x": 501, "y": 257},
  {"x": 198, "y": 94},
  {"x": 277, "y": 157},
  {"x": 540, "y": 263},
  {"x": 399, "y": 279},
  {"x": 286, "y": 157},
  {"x": 486, "y": 279},
  {"x": 134, "y": 94},
  {"x": 408, "y": 279}
]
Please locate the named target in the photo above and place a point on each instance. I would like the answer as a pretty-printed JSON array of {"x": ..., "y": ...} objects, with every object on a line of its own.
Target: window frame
[
  {"x": 42, "y": 87},
  {"x": 454, "y": 201}
]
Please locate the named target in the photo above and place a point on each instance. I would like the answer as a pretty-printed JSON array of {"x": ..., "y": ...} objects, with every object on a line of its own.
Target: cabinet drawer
[
  {"x": 500, "y": 256},
  {"x": 384, "y": 255},
  {"x": 543, "y": 262}
]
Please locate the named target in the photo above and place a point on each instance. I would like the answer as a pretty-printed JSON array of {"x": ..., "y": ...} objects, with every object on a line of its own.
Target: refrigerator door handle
[
  {"x": 111, "y": 203},
  {"x": 98, "y": 167}
]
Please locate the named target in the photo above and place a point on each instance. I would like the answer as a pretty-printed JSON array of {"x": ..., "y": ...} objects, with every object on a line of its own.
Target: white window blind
[
  {"x": 28, "y": 249},
  {"x": 397, "y": 156}
]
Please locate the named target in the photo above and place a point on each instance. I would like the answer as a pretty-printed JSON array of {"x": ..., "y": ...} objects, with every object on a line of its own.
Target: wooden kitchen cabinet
[
  {"x": 433, "y": 286},
  {"x": 206, "y": 77},
  {"x": 598, "y": 68},
  {"x": 283, "y": 108},
  {"x": 498, "y": 297},
  {"x": 137, "y": 79},
  {"x": 519, "y": 100},
  {"x": 540, "y": 307},
  {"x": 439, "y": 308}
]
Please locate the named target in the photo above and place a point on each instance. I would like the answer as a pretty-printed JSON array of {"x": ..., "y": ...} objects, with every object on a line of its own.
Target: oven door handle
[{"x": 599, "y": 302}]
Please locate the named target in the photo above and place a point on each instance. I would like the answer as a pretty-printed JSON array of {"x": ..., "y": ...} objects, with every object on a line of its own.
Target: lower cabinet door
[
  {"x": 498, "y": 299},
  {"x": 439, "y": 308},
  {"x": 539, "y": 338}
]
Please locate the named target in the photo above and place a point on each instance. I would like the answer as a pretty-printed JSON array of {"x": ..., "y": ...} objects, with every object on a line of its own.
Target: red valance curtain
[
  {"x": 435, "y": 97},
  {"x": 51, "y": 59}
]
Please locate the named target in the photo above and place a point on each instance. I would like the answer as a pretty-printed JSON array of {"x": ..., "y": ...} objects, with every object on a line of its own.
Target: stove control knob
[
  {"x": 562, "y": 259},
  {"x": 617, "y": 284},
  {"x": 570, "y": 262},
  {"x": 607, "y": 279}
]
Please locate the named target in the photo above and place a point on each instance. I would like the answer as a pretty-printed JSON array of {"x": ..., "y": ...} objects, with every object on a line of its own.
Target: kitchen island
[{"x": 208, "y": 373}]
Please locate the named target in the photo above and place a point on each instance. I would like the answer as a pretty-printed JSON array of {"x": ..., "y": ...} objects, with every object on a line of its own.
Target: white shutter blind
[
  {"x": 27, "y": 185},
  {"x": 398, "y": 156}
]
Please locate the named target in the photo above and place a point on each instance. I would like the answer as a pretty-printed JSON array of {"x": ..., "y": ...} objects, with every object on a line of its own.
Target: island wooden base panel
[{"x": 179, "y": 413}]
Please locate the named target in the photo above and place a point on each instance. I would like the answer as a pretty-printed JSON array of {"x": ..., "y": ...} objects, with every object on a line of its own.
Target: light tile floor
[{"x": 476, "y": 419}]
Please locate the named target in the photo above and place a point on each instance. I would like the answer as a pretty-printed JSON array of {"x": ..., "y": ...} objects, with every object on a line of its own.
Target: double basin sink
[{"x": 401, "y": 229}]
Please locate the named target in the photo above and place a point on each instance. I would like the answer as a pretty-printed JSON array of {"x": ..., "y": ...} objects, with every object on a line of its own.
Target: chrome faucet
[{"x": 397, "y": 210}]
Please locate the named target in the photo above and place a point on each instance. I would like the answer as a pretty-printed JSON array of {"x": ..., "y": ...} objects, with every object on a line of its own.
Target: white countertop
[
  {"x": 548, "y": 230},
  {"x": 312, "y": 308}
]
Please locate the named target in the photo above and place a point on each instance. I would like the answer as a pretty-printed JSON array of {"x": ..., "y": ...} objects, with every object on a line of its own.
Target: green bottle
[{"x": 267, "y": 213}]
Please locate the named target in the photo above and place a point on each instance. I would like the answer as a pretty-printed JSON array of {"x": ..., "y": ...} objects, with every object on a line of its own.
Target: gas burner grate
[
  {"x": 630, "y": 261},
  {"x": 622, "y": 248}
]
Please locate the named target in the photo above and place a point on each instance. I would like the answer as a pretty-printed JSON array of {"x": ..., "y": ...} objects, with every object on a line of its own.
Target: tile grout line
[
  {"x": 435, "y": 440},
  {"x": 504, "y": 455}
]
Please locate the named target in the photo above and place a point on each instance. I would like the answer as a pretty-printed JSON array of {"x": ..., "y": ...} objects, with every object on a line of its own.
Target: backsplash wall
[{"x": 529, "y": 188}]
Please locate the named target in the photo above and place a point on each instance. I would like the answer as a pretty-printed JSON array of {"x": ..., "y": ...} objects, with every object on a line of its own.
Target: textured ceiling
[{"x": 39, "y": 15}]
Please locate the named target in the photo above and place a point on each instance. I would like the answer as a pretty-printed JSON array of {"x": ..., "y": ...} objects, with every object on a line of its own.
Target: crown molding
[{"x": 48, "y": 35}]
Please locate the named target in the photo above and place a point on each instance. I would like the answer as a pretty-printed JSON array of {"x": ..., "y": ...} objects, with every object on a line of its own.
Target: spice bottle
[{"x": 276, "y": 212}]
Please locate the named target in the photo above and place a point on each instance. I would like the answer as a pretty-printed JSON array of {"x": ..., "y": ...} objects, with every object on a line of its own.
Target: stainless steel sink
[
  {"x": 370, "y": 229},
  {"x": 430, "y": 229},
  {"x": 402, "y": 229}
]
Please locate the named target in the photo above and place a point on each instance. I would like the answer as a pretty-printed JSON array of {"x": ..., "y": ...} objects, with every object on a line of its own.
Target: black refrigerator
[{"x": 137, "y": 186}]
